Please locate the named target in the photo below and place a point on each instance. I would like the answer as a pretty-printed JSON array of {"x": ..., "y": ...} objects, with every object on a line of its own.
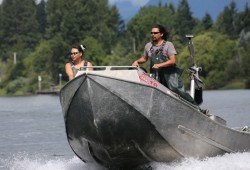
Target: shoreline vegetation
[{"x": 36, "y": 41}]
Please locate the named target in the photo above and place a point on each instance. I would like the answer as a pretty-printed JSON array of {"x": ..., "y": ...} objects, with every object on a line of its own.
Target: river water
[{"x": 32, "y": 134}]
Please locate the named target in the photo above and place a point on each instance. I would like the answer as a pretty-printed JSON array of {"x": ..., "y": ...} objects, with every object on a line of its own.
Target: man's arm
[
  {"x": 141, "y": 60},
  {"x": 170, "y": 62}
]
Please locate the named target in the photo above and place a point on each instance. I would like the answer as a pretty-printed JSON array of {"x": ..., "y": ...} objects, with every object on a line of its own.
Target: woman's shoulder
[{"x": 68, "y": 63}]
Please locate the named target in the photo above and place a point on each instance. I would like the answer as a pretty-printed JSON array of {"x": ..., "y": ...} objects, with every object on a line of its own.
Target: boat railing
[
  {"x": 130, "y": 73},
  {"x": 107, "y": 68}
]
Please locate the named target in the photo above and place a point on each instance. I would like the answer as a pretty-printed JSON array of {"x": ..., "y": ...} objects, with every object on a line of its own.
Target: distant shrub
[{"x": 247, "y": 83}]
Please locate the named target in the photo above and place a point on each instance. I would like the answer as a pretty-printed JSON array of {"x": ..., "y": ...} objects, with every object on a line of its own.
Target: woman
[{"x": 76, "y": 54}]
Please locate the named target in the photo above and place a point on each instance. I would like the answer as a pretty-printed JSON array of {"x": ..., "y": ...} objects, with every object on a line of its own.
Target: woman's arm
[
  {"x": 90, "y": 65},
  {"x": 69, "y": 71}
]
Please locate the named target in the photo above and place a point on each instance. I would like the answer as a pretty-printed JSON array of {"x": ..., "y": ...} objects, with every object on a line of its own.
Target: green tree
[
  {"x": 1, "y": 33},
  {"x": 55, "y": 13},
  {"x": 120, "y": 57},
  {"x": 106, "y": 30},
  {"x": 94, "y": 51},
  {"x": 243, "y": 20},
  {"x": 184, "y": 21},
  {"x": 18, "y": 28},
  {"x": 139, "y": 26},
  {"x": 74, "y": 20},
  {"x": 207, "y": 22},
  {"x": 109, "y": 42},
  {"x": 172, "y": 8},
  {"x": 227, "y": 21},
  {"x": 48, "y": 61},
  {"x": 244, "y": 58},
  {"x": 214, "y": 58},
  {"x": 41, "y": 17}
]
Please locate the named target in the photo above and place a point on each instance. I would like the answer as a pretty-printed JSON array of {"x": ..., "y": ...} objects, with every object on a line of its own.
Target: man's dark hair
[{"x": 162, "y": 30}]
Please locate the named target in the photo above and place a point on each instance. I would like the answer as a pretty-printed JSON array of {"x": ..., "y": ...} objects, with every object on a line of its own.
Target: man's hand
[
  {"x": 135, "y": 63},
  {"x": 156, "y": 66}
]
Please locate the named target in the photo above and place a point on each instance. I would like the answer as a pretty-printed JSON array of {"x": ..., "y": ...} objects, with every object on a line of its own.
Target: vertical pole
[
  {"x": 39, "y": 83},
  {"x": 134, "y": 45},
  {"x": 60, "y": 81},
  {"x": 191, "y": 50},
  {"x": 14, "y": 57}
]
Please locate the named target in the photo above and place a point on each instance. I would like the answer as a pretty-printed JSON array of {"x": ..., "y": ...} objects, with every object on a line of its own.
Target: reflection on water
[{"x": 33, "y": 134}]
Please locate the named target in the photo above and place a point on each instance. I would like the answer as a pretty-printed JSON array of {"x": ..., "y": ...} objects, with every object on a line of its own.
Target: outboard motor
[{"x": 196, "y": 82}]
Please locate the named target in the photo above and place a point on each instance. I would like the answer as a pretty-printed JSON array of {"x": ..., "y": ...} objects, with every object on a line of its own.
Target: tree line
[{"x": 37, "y": 37}]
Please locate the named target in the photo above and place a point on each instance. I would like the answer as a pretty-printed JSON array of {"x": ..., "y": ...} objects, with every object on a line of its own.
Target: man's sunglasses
[
  {"x": 154, "y": 32},
  {"x": 74, "y": 53}
]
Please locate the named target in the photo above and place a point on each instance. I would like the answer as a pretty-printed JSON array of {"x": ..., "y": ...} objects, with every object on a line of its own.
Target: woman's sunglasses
[{"x": 74, "y": 53}]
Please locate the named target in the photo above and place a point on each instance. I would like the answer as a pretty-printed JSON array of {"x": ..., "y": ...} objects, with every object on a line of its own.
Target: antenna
[
  {"x": 189, "y": 36},
  {"x": 191, "y": 47}
]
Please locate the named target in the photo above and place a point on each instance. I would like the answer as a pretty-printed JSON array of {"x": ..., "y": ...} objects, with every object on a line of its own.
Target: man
[{"x": 162, "y": 55}]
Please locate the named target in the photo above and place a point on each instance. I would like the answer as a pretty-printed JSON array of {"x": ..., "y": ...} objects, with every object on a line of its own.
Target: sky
[
  {"x": 143, "y": 2},
  {"x": 134, "y": 2},
  {"x": 197, "y": 7}
]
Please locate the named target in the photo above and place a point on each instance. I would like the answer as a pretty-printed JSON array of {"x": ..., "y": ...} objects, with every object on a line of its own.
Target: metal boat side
[{"x": 124, "y": 118}]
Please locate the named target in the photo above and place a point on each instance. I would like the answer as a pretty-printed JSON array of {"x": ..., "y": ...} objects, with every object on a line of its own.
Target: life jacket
[{"x": 168, "y": 76}]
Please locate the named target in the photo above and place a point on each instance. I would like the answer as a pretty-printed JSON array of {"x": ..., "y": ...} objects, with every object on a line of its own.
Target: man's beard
[{"x": 154, "y": 40}]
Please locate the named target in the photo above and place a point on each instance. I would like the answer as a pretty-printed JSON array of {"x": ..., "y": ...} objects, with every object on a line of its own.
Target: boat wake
[
  {"x": 38, "y": 162},
  {"x": 233, "y": 161}
]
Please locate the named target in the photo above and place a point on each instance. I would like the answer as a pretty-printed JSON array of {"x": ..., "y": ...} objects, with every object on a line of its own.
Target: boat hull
[{"x": 120, "y": 123}]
